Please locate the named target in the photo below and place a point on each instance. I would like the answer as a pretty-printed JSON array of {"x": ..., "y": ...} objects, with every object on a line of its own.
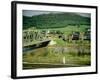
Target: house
[{"x": 75, "y": 35}]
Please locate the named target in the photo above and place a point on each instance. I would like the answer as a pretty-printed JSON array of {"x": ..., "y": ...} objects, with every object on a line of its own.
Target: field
[{"x": 60, "y": 52}]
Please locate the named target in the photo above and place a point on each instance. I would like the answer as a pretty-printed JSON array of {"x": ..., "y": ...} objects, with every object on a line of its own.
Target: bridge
[
  {"x": 33, "y": 39},
  {"x": 32, "y": 36}
]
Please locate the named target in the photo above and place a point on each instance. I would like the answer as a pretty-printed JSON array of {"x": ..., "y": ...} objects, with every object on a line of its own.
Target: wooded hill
[{"x": 54, "y": 20}]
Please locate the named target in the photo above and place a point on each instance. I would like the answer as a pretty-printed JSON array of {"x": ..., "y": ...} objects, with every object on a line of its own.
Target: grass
[
  {"x": 51, "y": 60},
  {"x": 69, "y": 29},
  {"x": 56, "y": 58},
  {"x": 35, "y": 66},
  {"x": 77, "y": 53},
  {"x": 48, "y": 55}
]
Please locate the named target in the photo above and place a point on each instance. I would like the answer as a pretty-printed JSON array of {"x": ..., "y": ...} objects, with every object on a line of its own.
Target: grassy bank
[{"x": 54, "y": 55}]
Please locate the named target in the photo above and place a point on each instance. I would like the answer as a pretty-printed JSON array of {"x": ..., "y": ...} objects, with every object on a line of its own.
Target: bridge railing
[{"x": 31, "y": 36}]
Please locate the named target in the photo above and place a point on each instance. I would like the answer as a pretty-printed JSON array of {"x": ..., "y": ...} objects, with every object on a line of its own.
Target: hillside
[{"x": 56, "y": 20}]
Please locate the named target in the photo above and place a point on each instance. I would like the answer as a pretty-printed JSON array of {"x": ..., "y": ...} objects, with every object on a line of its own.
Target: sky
[{"x": 31, "y": 13}]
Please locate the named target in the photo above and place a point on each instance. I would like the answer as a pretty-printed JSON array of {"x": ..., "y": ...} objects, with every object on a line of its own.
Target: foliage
[{"x": 57, "y": 20}]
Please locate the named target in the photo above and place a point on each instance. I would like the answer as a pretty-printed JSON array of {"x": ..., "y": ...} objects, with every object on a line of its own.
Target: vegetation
[
  {"x": 76, "y": 54},
  {"x": 57, "y": 20},
  {"x": 58, "y": 27}
]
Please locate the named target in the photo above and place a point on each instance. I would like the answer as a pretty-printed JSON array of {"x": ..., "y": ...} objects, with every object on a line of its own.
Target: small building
[
  {"x": 87, "y": 34},
  {"x": 75, "y": 36}
]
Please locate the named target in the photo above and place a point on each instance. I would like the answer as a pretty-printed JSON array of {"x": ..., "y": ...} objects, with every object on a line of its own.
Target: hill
[{"x": 56, "y": 20}]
